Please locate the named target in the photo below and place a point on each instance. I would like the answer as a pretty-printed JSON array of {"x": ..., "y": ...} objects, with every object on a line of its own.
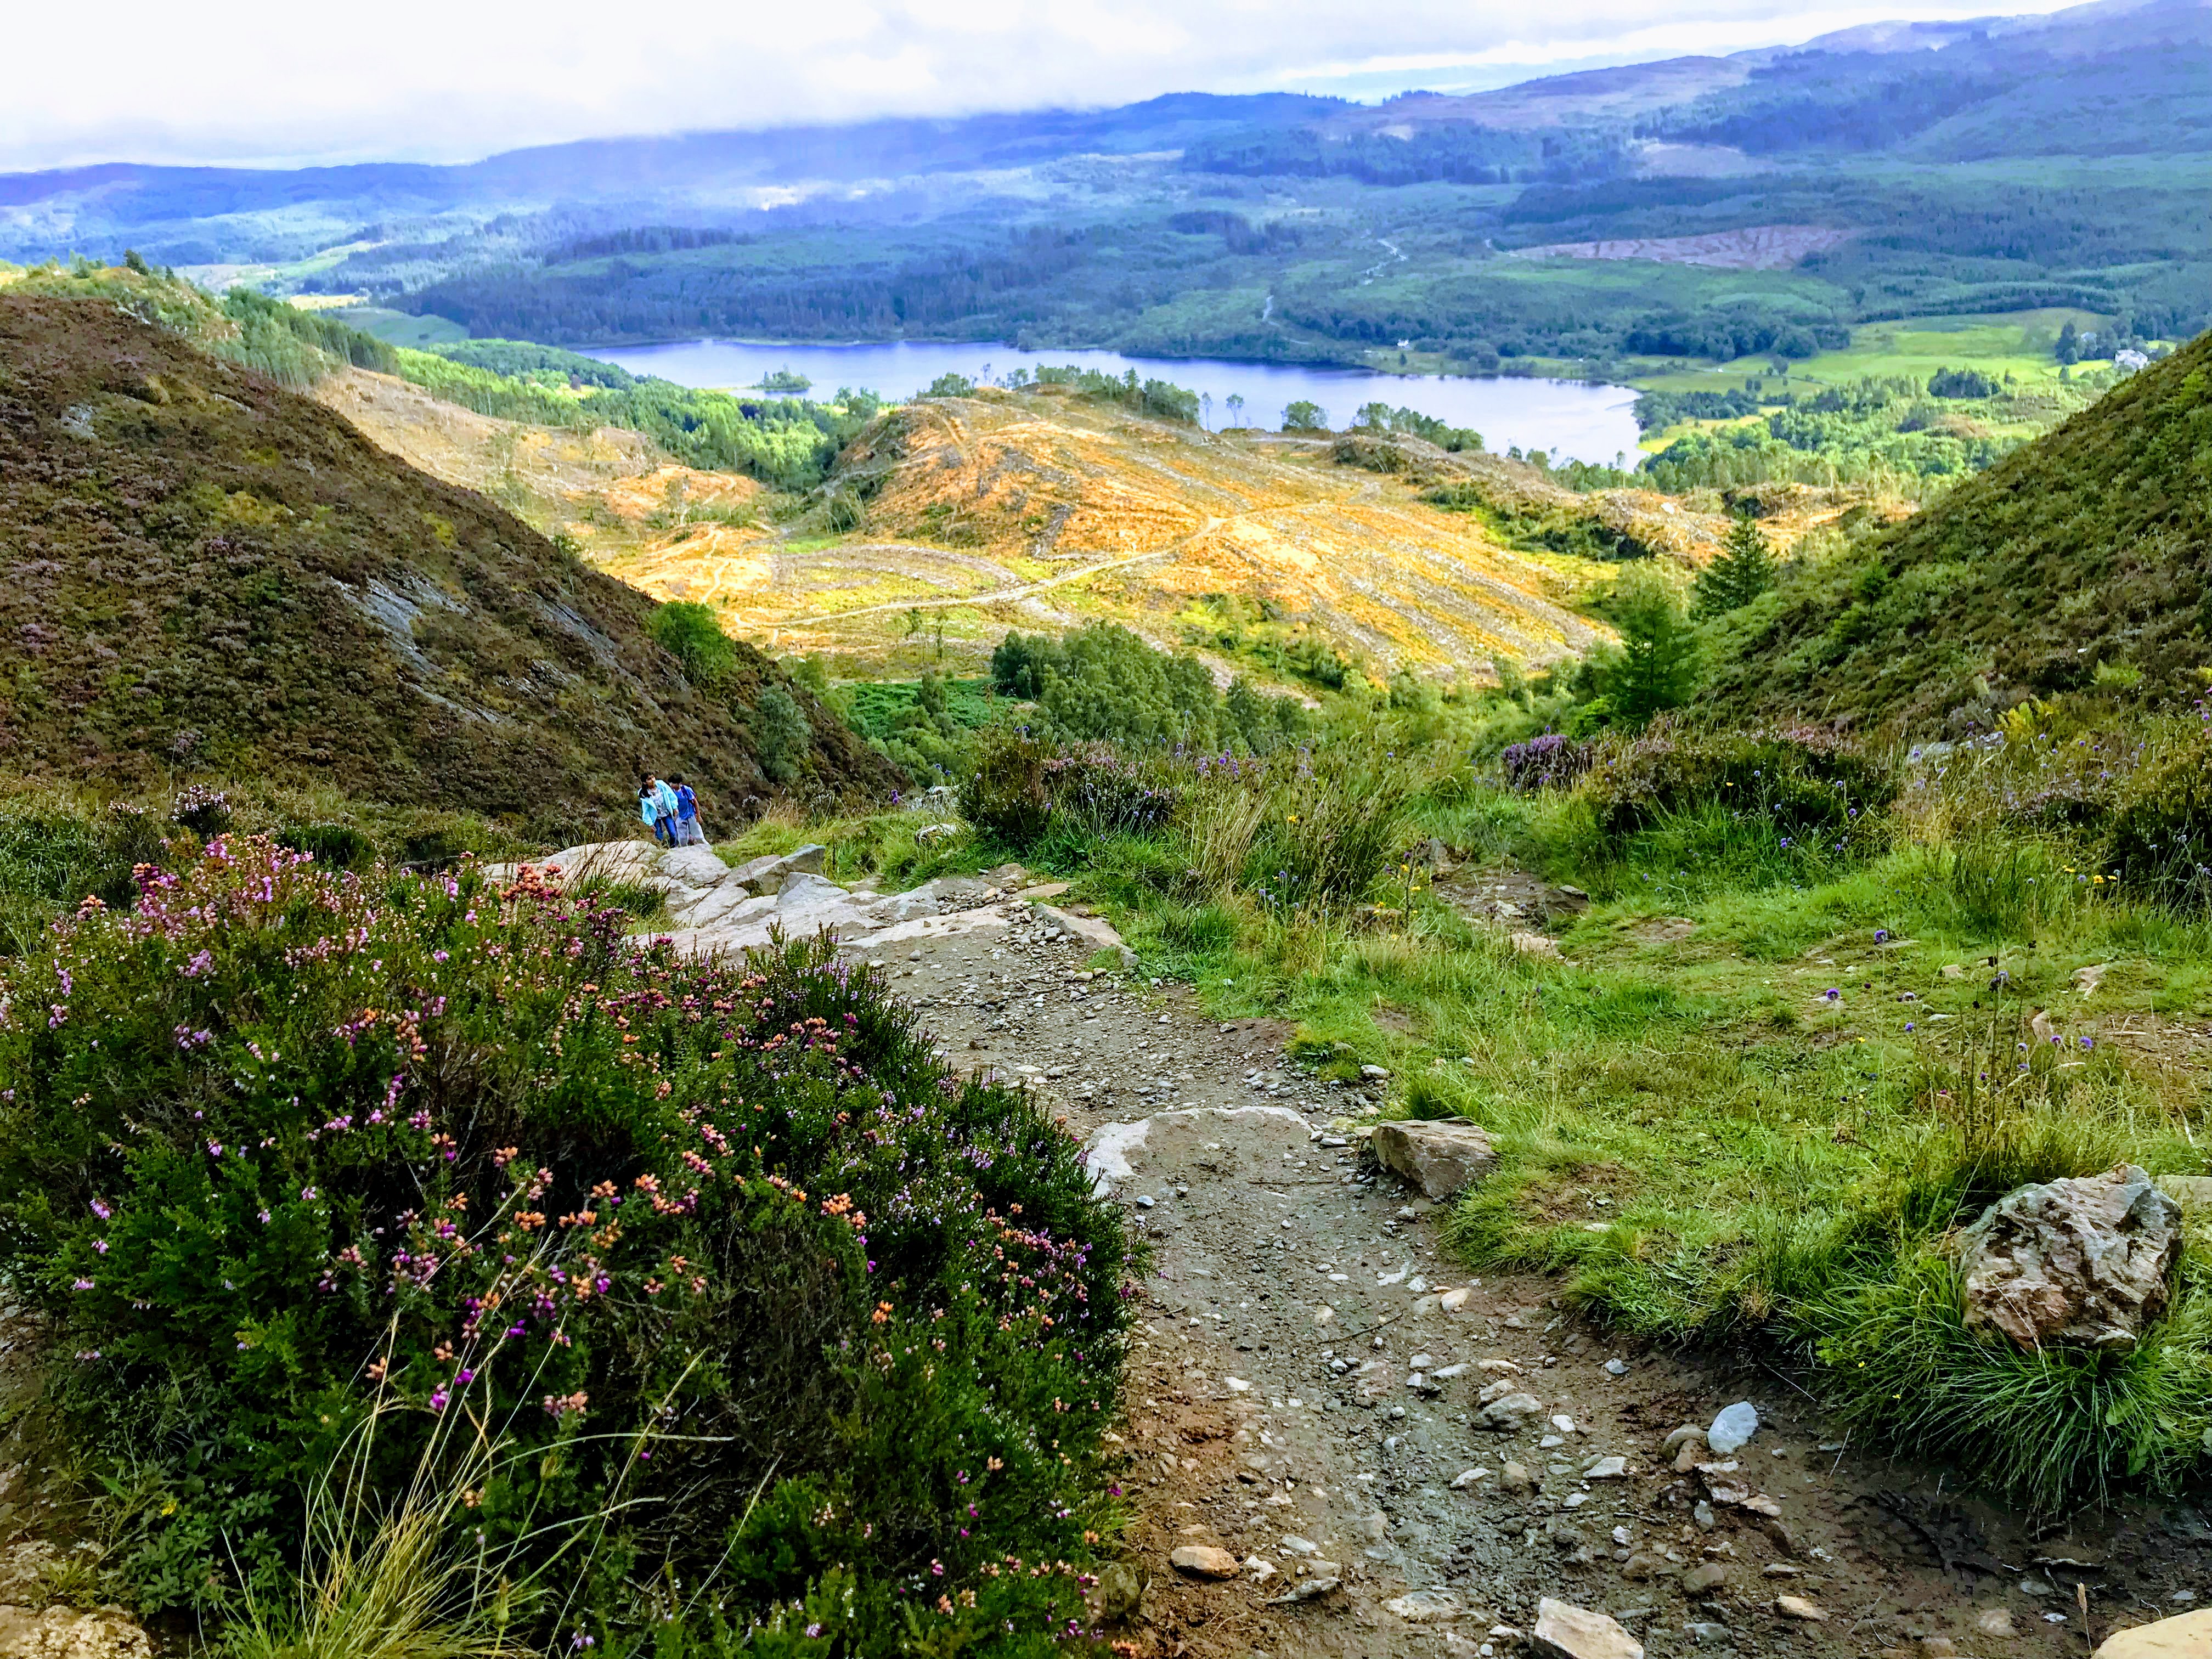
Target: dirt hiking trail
[{"x": 1305, "y": 1400}]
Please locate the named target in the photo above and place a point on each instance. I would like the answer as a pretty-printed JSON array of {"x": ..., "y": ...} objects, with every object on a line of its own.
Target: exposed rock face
[
  {"x": 2085, "y": 1260},
  {"x": 1566, "y": 1632},
  {"x": 1439, "y": 1158}
]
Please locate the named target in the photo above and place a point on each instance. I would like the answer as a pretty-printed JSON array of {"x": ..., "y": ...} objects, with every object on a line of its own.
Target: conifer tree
[
  {"x": 1655, "y": 667},
  {"x": 1743, "y": 570}
]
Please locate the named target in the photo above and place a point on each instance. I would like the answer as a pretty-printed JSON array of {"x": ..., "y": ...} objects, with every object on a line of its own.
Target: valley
[{"x": 1053, "y": 998}]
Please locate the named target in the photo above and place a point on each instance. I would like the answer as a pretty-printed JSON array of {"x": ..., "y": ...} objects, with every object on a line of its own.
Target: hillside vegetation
[
  {"x": 206, "y": 574},
  {"x": 2082, "y": 561}
]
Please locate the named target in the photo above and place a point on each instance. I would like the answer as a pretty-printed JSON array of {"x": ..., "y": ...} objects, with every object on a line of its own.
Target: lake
[{"x": 1569, "y": 419}]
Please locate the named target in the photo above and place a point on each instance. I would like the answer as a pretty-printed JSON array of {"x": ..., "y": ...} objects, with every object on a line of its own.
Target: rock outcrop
[
  {"x": 1439, "y": 1157},
  {"x": 2086, "y": 1261},
  {"x": 720, "y": 910}
]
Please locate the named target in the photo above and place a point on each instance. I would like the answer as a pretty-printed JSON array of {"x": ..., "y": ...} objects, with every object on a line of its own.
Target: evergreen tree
[
  {"x": 1656, "y": 667},
  {"x": 1743, "y": 570}
]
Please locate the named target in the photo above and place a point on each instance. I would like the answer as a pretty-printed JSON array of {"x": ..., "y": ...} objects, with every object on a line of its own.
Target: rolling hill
[
  {"x": 205, "y": 574},
  {"x": 2083, "y": 559}
]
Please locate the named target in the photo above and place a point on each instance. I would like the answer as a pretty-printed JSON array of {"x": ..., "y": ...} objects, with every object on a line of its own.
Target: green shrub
[
  {"x": 722, "y": 1271},
  {"x": 780, "y": 734},
  {"x": 1803, "y": 781},
  {"x": 1023, "y": 785},
  {"x": 334, "y": 846},
  {"x": 2051, "y": 1429},
  {"x": 692, "y": 634}
]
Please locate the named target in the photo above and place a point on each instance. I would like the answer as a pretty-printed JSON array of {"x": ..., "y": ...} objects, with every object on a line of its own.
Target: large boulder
[
  {"x": 2084, "y": 1262},
  {"x": 1439, "y": 1158}
]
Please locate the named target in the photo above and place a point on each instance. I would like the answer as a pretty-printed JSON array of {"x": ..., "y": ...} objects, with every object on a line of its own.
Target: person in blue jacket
[
  {"x": 649, "y": 808},
  {"x": 690, "y": 832}
]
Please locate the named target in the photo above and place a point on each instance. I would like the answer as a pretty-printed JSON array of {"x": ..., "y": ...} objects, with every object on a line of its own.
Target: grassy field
[
  {"x": 400, "y": 329},
  {"x": 2018, "y": 343}
]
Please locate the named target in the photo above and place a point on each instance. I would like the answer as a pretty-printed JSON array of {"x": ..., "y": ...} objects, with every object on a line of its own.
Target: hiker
[
  {"x": 664, "y": 810},
  {"x": 649, "y": 808},
  {"x": 689, "y": 830}
]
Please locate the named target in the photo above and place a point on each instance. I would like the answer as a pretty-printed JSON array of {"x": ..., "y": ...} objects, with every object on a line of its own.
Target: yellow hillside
[{"x": 950, "y": 521}]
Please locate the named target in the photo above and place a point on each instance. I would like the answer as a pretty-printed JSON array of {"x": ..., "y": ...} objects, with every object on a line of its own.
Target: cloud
[{"x": 256, "y": 82}]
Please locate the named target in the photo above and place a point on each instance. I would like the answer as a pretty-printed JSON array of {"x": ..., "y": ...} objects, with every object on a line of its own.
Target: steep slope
[
  {"x": 2090, "y": 548},
  {"x": 202, "y": 573}
]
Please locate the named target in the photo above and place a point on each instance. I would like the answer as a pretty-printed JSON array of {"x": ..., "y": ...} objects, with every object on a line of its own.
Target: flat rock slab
[
  {"x": 1565, "y": 1630},
  {"x": 1440, "y": 1159},
  {"x": 1222, "y": 1143}
]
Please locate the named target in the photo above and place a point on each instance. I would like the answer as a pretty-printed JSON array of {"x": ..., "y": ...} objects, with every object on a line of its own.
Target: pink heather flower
[
  {"x": 100, "y": 1244},
  {"x": 101, "y": 1210},
  {"x": 82, "y": 1285}
]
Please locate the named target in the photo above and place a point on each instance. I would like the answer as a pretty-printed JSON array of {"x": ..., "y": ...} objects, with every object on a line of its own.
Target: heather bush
[
  {"x": 716, "y": 1272},
  {"x": 1545, "y": 762},
  {"x": 1802, "y": 782},
  {"x": 1023, "y": 785}
]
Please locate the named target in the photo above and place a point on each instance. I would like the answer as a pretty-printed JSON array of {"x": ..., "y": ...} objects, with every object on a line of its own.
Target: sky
[{"x": 260, "y": 82}]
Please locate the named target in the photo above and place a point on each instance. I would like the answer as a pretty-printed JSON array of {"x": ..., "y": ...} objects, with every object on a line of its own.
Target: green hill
[
  {"x": 201, "y": 573},
  {"x": 2083, "y": 559}
]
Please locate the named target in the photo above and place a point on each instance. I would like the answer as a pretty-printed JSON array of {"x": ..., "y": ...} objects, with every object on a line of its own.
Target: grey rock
[
  {"x": 1515, "y": 1477},
  {"x": 1440, "y": 1159},
  {"x": 1706, "y": 1633},
  {"x": 1306, "y": 1590},
  {"x": 1607, "y": 1468},
  {"x": 1119, "y": 1592},
  {"x": 1510, "y": 1413},
  {"x": 1704, "y": 1579},
  {"x": 1294, "y": 1545},
  {"x": 2082, "y": 1261},
  {"x": 1616, "y": 1368},
  {"x": 1375, "y": 1528},
  {"x": 1566, "y": 1632},
  {"x": 1419, "y": 1606},
  {"x": 1702, "y": 1513},
  {"x": 1734, "y": 1427},
  {"x": 1687, "y": 1431},
  {"x": 693, "y": 867}
]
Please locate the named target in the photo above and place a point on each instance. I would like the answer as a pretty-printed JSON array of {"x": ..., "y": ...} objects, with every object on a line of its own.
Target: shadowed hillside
[
  {"x": 2083, "y": 559},
  {"x": 203, "y": 573}
]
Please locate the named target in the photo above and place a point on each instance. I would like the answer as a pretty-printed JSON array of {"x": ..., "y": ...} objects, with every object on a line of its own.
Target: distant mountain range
[{"x": 1992, "y": 165}]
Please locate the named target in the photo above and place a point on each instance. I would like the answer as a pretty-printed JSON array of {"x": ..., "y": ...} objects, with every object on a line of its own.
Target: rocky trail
[{"x": 1340, "y": 1442}]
